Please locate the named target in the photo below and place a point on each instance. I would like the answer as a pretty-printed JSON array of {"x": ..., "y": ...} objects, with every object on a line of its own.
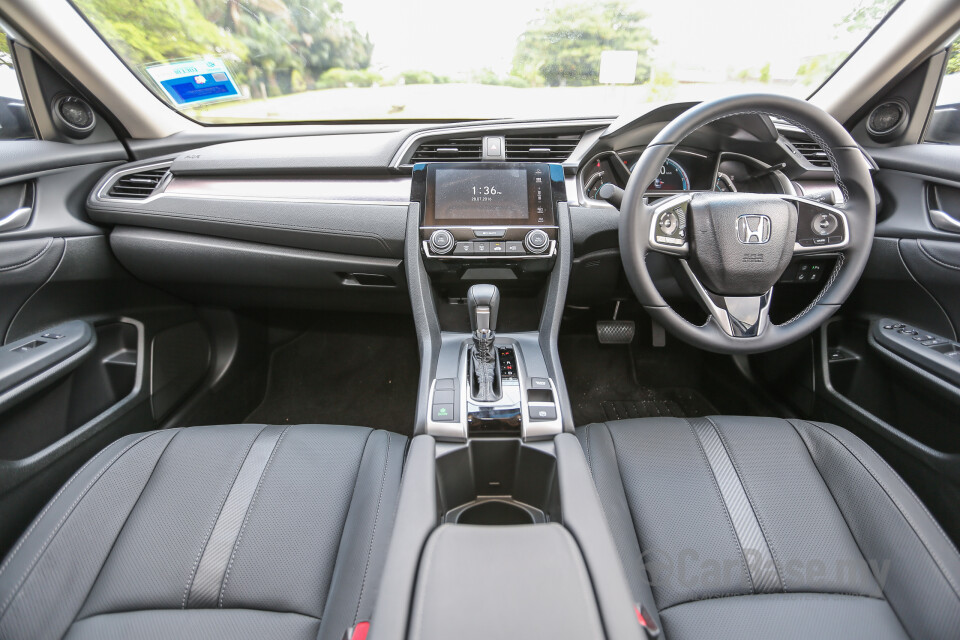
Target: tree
[
  {"x": 145, "y": 31},
  {"x": 562, "y": 46}
]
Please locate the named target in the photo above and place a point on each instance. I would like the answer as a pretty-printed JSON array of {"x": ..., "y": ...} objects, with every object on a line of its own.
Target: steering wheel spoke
[
  {"x": 821, "y": 228},
  {"x": 737, "y": 316},
  {"x": 669, "y": 226}
]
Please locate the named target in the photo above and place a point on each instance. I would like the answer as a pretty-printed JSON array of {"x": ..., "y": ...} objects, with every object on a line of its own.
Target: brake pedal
[{"x": 616, "y": 331}]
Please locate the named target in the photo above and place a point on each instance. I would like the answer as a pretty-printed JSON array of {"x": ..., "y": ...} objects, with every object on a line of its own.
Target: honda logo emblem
[{"x": 753, "y": 229}]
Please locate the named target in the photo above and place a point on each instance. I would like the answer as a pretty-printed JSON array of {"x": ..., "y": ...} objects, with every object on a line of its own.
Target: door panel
[
  {"x": 59, "y": 405},
  {"x": 884, "y": 366}
]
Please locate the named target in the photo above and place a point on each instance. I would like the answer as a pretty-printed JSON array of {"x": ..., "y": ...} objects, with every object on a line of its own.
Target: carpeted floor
[{"x": 361, "y": 373}]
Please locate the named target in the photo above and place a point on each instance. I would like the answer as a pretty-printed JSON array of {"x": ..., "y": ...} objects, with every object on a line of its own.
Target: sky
[{"x": 450, "y": 37}]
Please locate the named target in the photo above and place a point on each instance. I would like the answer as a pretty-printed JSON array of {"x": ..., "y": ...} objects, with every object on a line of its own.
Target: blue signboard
[{"x": 192, "y": 82}]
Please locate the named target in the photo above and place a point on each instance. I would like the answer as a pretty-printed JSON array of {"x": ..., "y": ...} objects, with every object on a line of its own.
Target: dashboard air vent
[
  {"x": 810, "y": 150},
  {"x": 451, "y": 150},
  {"x": 137, "y": 186},
  {"x": 540, "y": 148}
]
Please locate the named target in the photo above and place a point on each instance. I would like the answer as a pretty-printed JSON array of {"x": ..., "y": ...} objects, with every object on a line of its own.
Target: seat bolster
[
  {"x": 914, "y": 562},
  {"x": 783, "y": 615},
  {"x": 196, "y": 624},
  {"x": 366, "y": 535},
  {"x": 44, "y": 581},
  {"x": 598, "y": 449}
]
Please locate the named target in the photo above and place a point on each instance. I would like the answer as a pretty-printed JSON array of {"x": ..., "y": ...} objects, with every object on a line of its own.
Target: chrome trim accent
[
  {"x": 681, "y": 250},
  {"x": 447, "y": 256},
  {"x": 17, "y": 219},
  {"x": 735, "y": 322},
  {"x": 500, "y": 127},
  {"x": 392, "y": 190},
  {"x": 102, "y": 192},
  {"x": 941, "y": 220}
]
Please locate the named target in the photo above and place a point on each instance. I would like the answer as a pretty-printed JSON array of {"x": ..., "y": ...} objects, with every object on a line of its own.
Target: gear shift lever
[{"x": 483, "y": 301}]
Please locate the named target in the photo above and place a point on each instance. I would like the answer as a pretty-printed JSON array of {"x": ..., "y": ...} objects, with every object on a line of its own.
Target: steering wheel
[{"x": 735, "y": 246}]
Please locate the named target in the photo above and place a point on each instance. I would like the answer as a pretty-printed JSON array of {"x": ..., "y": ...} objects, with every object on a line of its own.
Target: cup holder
[
  {"x": 495, "y": 511},
  {"x": 497, "y": 482}
]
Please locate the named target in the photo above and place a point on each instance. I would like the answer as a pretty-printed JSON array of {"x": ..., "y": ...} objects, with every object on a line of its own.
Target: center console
[
  {"x": 499, "y": 530},
  {"x": 489, "y": 244}
]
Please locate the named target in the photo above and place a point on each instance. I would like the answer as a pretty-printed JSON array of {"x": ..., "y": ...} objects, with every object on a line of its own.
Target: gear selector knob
[{"x": 483, "y": 301}]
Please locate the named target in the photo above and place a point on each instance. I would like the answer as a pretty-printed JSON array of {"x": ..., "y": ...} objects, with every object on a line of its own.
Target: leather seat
[
  {"x": 766, "y": 528},
  {"x": 240, "y": 531}
]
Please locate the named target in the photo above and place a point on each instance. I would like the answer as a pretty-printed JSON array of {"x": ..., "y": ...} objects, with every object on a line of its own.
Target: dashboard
[{"x": 333, "y": 210}]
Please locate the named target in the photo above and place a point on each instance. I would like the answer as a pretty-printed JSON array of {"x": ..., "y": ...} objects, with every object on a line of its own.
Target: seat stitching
[
  {"x": 373, "y": 535},
  {"x": 746, "y": 492},
  {"x": 940, "y": 262},
  {"x": 50, "y": 504},
  {"x": 127, "y": 519},
  {"x": 63, "y": 519},
  {"x": 778, "y": 595},
  {"x": 32, "y": 258},
  {"x": 906, "y": 517},
  {"x": 223, "y": 501},
  {"x": 726, "y": 513},
  {"x": 246, "y": 517}
]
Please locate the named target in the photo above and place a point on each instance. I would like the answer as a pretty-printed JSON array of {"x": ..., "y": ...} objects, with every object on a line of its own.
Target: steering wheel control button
[
  {"x": 824, "y": 224},
  {"x": 442, "y": 412},
  {"x": 489, "y": 232},
  {"x": 537, "y": 241},
  {"x": 671, "y": 226},
  {"x": 441, "y": 241},
  {"x": 545, "y": 411}
]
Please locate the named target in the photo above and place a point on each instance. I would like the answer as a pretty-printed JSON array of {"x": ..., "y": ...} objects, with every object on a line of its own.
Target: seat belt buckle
[
  {"x": 357, "y": 632},
  {"x": 646, "y": 621}
]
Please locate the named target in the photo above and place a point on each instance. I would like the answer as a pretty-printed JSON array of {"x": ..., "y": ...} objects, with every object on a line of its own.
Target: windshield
[{"x": 232, "y": 61}]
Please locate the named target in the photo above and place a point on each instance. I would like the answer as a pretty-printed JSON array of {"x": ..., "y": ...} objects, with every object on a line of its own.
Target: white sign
[{"x": 618, "y": 67}]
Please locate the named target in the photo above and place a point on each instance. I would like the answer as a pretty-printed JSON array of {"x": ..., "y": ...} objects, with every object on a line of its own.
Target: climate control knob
[
  {"x": 537, "y": 241},
  {"x": 441, "y": 241}
]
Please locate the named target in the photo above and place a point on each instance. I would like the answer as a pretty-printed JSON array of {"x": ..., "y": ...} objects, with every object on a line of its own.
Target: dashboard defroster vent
[
  {"x": 137, "y": 186},
  {"x": 810, "y": 150},
  {"x": 540, "y": 148},
  {"x": 450, "y": 150}
]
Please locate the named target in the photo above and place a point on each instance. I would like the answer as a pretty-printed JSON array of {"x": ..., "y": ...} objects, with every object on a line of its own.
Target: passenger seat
[{"x": 240, "y": 531}]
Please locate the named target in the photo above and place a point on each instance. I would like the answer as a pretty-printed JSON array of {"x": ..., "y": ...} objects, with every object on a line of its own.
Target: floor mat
[
  {"x": 362, "y": 374},
  {"x": 676, "y": 381},
  {"x": 653, "y": 403}
]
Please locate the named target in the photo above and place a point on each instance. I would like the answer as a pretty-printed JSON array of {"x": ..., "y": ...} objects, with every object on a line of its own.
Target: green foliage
[
  {"x": 144, "y": 31},
  {"x": 339, "y": 77},
  {"x": 953, "y": 64},
  {"x": 562, "y": 46},
  {"x": 6, "y": 59},
  {"x": 866, "y": 15},
  {"x": 421, "y": 77}
]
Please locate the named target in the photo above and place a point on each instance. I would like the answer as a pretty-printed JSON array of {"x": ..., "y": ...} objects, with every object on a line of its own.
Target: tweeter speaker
[
  {"x": 73, "y": 116},
  {"x": 888, "y": 120}
]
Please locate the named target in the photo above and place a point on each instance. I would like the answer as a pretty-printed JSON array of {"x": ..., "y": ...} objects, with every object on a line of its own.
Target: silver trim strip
[{"x": 499, "y": 128}]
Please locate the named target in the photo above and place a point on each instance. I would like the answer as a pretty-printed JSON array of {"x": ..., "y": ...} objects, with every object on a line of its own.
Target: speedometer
[{"x": 673, "y": 177}]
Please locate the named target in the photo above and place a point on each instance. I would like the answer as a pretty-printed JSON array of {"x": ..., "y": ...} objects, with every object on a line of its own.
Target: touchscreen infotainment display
[
  {"x": 468, "y": 194},
  {"x": 487, "y": 193}
]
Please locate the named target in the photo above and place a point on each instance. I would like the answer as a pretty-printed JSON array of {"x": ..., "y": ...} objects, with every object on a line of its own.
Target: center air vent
[
  {"x": 137, "y": 186},
  {"x": 451, "y": 150},
  {"x": 540, "y": 148},
  {"x": 810, "y": 150}
]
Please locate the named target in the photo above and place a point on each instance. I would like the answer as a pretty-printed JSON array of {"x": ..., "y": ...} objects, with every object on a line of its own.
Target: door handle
[
  {"x": 16, "y": 220},
  {"x": 944, "y": 221}
]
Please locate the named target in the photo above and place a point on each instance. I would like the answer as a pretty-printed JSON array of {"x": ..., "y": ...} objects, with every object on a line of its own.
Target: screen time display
[{"x": 469, "y": 194}]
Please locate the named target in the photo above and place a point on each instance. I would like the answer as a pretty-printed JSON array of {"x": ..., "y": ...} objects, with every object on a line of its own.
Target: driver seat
[{"x": 744, "y": 527}]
